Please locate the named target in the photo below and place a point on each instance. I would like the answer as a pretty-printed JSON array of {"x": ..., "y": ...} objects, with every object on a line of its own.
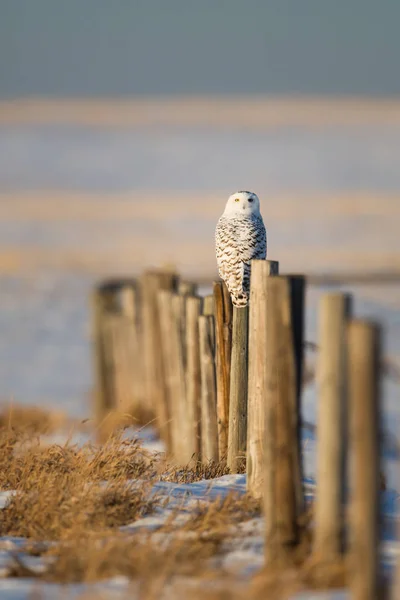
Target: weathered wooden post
[
  {"x": 193, "y": 375},
  {"x": 129, "y": 300},
  {"x": 167, "y": 339},
  {"x": 237, "y": 432},
  {"x": 151, "y": 283},
  {"x": 281, "y": 472},
  {"x": 331, "y": 431},
  {"x": 258, "y": 322},
  {"x": 209, "y": 429},
  {"x": 363, "y": 390},
  {"x": 179, "y": 344},
  {"x": 297, "y": 286},
  {"x": 123, "y": 337},
  {"x": 103, "y": 302},
  {"x": 208, "y": 305},
  {"x": 183, "y": 427},
  {"x": 134, "y": 363},
  {"x": 187, "y": 288},
  {"x": 223, "y": 349}
]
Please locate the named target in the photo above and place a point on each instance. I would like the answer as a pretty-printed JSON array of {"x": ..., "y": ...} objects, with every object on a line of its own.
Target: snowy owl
[{"x": 239, "y": 236}]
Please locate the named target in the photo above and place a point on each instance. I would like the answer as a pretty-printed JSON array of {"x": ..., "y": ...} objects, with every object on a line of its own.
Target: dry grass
[
  {"x": 60, "y": 508},
  {"x": 116, "y": 421},
  {"x": 63, "y": 491},
  {"x": 96, "y": 557},
  {"x": 185, "y": 551},
  {"x": 194, "y": 471},
  {"x": 79, "y": 497},
  {"x": 31, "y": 419},
  {"x": 217, "y": 518}
]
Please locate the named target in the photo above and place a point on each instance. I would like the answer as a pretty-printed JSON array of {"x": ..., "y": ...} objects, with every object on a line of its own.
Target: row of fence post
[{"x": 224, "y": 383}]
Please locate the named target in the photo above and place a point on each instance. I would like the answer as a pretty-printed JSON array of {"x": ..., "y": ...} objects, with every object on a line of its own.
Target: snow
[
  {"x": 302, "y": 176},
  {"x": 243, "y": 548}
]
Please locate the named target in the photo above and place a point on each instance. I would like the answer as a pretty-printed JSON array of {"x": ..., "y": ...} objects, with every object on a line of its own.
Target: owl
[{"x": 239, "y": 236}]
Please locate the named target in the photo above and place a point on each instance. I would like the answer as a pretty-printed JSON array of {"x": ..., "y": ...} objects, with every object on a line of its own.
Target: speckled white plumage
[{"x": 239, "y": 237}]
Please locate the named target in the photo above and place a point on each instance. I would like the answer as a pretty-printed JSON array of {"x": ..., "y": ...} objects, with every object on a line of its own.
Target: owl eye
[
  {"x": 237, "y": 199},
  {"x": 251, "y": 199}
]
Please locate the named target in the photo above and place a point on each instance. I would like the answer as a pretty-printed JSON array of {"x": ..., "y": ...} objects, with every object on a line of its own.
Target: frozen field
[{"x": 79, "y": 202}]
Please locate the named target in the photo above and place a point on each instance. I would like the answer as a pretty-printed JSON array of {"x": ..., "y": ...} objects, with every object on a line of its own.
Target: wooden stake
[
  {"x": 187, "y": 288},
  {"x": 102, "y": 400},
  {"x": 125, "y": 347},
  {"x": 363, "y": 382},
  {"x": 103, "y": 304},
  {"x": 281, "y": 468},
  {"x": 130, "y": 307},
  {"x": 296, "y": 304},
  {"x": 208, "y": 305},
  {"x": 167, "y": 339},
  {"x": 151, "y": 283},
  {"x": 209, "y": 430},
  {"x": 129, "y": 301},
  {"x": 193, "y": 375},
  {"x": 333, "y": 314},
  {"x": 172, "y": 313},
  {"x": 258, "y": 323},
  {"x": 237, "y": 433},
  {"x": 183, "y": 426},
  {"x": 223, "y": 334}
]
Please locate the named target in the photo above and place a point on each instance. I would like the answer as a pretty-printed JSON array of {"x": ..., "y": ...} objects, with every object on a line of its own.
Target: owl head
[{"x": 242, "y": 204}]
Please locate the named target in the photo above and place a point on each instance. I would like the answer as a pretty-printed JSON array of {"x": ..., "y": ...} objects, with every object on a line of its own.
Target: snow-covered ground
[
  {"x": 129, "y": 197},
  {"x": 243, "y": 551}
]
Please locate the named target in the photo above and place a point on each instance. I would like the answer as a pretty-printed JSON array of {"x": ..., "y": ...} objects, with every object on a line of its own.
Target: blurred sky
[{"x": 125, "y": 47}]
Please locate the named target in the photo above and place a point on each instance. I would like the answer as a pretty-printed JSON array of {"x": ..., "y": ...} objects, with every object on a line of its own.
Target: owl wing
[
  {"x": 253, "y": 240},
  {"x": 253, "y": 245},
  {"x": 225, "y": 248}
]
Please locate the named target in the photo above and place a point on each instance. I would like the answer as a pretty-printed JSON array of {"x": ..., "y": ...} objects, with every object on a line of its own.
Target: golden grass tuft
[
  {"x": 116, "y": 421},
  {"x": 62, "y": 491},
  {"x": 195, "y": 470},
  {"x": 95, "y": 557},
  {"x": 217, "y": 517},
  {"x": 24, "y": 460},
  {"x": 31, "y": 419},
  {"x": 80, "y": 497}
]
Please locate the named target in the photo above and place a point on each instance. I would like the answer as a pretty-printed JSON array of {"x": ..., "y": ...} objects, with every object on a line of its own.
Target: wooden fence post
[
  {"x": 151, "y": 283},
  {"x": 281, "y": 471},
  {"x": 129, "y": 300},
  {"x": 102, "y": 303},
  {"x": 208, "y": 305},
  {"x": 258, "y": 322},
  {"x": 187, "y": 288},
  {"x": 167, "y": 339},
  {"x": 363, "y": 389},
  {"x": 125, "y": 346},
  {"x": 331, "y": 432},
  {"x": 183, "y": 427},
  {"x": 179, "y": 344},
  {"x": 193, "y": 375},
  {"x": 297, "y": 286},
  {"x": 237, "y": 432},
  {"x": 223, "y": 349},
  {"x": 209, "y": 429},
  {"x": 133, "y": 362}
]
